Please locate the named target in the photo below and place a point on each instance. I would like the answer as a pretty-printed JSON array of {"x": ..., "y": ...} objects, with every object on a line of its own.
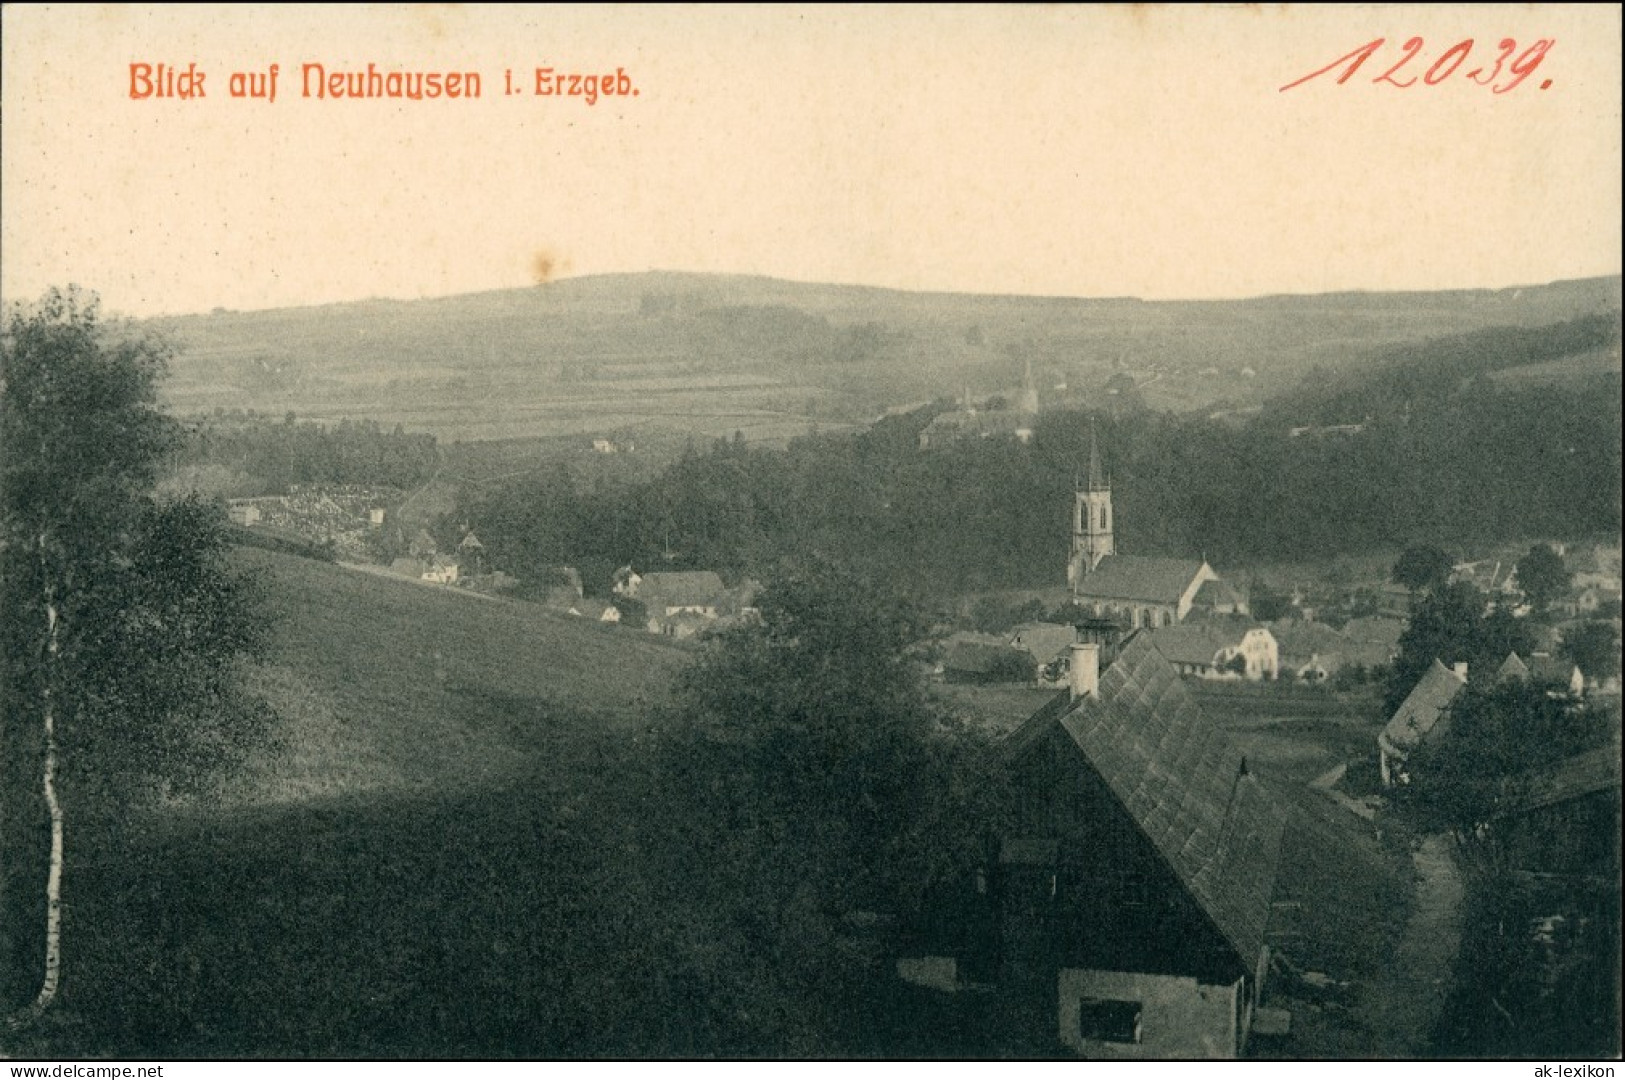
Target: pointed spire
[{"x": 1097, "y": 482}]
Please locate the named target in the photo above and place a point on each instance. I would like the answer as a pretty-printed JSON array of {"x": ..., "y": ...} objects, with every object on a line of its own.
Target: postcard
[{"x": 810, "y": 533}]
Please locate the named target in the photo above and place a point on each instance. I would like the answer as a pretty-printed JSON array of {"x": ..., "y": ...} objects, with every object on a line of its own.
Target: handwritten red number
[
  {"x": 1526, "y": 63},
  {"x": 1412, "y": 47},
  {"x": 1359, "y": 56},
  {"x": 1459, "y": 50},
  {"x": 1506, "y": 46}
]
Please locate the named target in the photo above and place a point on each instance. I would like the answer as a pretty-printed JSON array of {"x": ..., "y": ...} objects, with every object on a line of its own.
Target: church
[{"x": 1132, "y": 589}]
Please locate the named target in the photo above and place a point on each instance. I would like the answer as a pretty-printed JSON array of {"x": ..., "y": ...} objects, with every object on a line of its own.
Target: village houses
[{"x": 1423, "y": 715}]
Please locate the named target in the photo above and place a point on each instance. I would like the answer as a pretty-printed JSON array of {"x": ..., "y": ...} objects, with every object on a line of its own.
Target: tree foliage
[
  {"x": 1542, "y": 577},
  {"x": 992, "y": 513},
  {"x": 806, "y": 776},
  {"x": 1451, "y": 625},
  {"x": 263, "y": 456},
  {"x": 1422, "y": 566},
  {"x": 1594, "y": 648},
  {"x": 120, "y": 616},
  {"x": 1494, "y": 738}
]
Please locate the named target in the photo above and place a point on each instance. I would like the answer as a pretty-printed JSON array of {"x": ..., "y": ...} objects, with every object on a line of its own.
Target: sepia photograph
[{"x": 809, "y": 534}]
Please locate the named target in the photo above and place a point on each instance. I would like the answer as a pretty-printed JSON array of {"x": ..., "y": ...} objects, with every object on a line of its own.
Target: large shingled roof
[
  {"x": 1182, "y": 781},
  {"x": 1419, "y": 713},
  {"x": 1137, "y": 577},
  {"x": 683, "y": 588}
]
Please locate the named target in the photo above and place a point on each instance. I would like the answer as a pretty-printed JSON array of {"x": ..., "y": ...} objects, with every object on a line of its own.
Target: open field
[{"x": 712, "y": 354}]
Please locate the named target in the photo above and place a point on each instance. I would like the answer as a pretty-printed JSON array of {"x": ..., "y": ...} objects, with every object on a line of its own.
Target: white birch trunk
[{"x": 53, "y": 882}]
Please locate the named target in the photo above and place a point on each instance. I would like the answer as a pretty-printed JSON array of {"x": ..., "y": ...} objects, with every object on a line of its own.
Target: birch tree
[{"x": 119, "y": 615}]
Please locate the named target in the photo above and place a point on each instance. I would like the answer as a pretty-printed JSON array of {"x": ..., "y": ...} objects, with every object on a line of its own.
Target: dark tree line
[
  {"x": 1478, "y": 464},
  {"x": 276, "y": 454}
]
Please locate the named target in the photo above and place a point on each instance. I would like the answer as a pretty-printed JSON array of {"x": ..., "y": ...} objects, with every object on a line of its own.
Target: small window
[{"x": 1106, "y": 1020}]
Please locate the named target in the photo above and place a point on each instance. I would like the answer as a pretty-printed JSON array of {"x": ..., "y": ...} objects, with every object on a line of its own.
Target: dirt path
[{"x": 1403, "y": 1005}]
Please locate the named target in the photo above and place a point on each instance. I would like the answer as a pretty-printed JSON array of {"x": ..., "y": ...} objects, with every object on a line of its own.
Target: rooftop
[
  {"x": 1182, "y": 781},
  {"x": 1138, "y": 577},
  {"x": 1419, "y": 713}
]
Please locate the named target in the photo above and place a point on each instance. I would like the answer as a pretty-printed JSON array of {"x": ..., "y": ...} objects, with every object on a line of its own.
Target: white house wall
[{"x": 1179, "y": 1017}]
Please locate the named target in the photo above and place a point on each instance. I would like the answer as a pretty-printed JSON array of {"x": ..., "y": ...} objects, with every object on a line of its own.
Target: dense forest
[
  {"x": 1477, "y": 463},
  {"x": 262, "y": 455}
]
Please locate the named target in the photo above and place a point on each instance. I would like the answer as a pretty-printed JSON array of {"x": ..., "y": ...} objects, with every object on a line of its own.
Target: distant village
[{"x": 1184, "y": 873}]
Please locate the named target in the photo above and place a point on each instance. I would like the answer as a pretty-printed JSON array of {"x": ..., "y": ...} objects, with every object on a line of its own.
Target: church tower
[{"x": 1091, "y": 520}]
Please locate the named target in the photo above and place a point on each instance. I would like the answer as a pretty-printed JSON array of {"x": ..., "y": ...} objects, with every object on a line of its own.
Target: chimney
[
  {"x": 1460, "y": 668},
  {"x": 1085, "y": 675}
]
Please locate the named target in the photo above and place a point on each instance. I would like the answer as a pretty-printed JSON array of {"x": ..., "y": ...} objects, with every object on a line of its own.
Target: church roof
[
  {"x": 1137, "y": 577},
  {"x": 1218, "y": 594},
  {"x": 1097, "y": 478},
  {"x": 1183, "y": 782}
]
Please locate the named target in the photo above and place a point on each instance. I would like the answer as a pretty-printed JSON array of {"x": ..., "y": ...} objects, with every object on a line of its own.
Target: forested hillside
[{"x": 1452, "y": 456}]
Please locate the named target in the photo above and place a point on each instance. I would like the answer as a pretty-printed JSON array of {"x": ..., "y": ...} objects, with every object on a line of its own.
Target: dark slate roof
[
  {"x": 1137, "y": 577},
  {"x": 1375, "y": 630},
  {"x": 1044, "y": 640},
  {"x": 683, "y": 588},
  {"x": 1191, "y": 643},
  {"x": 1551, "y": 669},
  {"x": 1420, "y": 711},
  {"x": 1299, "y": 639},
  {"x": 1199, "y": 642},
  {"x": 1573, "y": 778},
  {"x": 1184, "y": 784}
]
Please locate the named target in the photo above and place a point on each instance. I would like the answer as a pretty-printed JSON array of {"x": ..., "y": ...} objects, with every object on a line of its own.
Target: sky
[{"x": 1045, "y": 150}]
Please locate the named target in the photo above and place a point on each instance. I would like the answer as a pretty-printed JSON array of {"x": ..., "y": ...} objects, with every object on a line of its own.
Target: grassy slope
[
  {"x": 394, "y": 685},
  {"x": 435, "y": 863}
]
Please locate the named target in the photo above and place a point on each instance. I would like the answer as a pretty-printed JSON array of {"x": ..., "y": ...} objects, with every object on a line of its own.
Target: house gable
[{"x": 1185, "y": 787}]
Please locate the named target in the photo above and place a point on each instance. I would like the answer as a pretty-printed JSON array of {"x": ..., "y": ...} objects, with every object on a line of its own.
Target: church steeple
[
  {"x": 1091, "y": 519},
  {"x": 1096, "y": 480}
]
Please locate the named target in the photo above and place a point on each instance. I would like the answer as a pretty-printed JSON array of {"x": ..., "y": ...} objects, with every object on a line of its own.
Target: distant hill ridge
[{"x": 734, "y": 352}]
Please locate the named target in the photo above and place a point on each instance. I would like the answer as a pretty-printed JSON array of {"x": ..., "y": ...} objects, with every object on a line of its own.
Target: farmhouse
[
  {"x": 981, "y": 659},
  {"x": 1418, "y": 718},
  {"x": 1123, "y": 910},
  {"x": 440, "y": 570},
  {"x": 1563, "y": 676},
  {"x": 1229, "y": 647},
  {"x": 692, "y": 592},
  {"x": 1049, "y": 645}
]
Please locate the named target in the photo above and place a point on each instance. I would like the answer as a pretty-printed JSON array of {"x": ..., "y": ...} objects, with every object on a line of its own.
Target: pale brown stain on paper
[{"x": 546, "y": 266}]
